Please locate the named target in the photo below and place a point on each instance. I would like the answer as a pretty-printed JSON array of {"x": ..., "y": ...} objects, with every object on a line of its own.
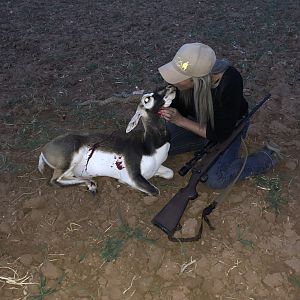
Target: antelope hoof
[
  {"x": 153, "y": 192},
  {"x": 92, "y": 187},
  {"x": 55, "y": 183}
]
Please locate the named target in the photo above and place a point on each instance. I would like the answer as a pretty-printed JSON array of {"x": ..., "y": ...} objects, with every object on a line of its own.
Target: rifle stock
[{"x": 169, "y": 216}]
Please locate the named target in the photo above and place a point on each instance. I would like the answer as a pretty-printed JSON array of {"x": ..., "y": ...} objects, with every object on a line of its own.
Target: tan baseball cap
[{"x": 191, "y": 60}]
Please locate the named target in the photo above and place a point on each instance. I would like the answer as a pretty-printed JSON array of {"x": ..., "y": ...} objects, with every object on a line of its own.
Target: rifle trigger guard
[
  {"x": 194, "y": 170},
  {"x": 204, "y": 178}
]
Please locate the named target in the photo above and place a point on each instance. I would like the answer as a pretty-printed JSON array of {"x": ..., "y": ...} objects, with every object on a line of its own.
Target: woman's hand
[{"x": 172, "y": 115}]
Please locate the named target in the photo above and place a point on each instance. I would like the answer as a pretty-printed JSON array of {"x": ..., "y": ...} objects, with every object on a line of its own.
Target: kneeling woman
[{"x": 208, "y": 105}]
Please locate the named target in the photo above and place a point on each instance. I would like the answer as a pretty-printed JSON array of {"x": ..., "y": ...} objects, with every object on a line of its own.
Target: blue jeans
[{"x": 228, "y": 165}]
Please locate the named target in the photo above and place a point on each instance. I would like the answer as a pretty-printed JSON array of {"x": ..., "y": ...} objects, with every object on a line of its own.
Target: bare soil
[{"x": 63, "y": 243}]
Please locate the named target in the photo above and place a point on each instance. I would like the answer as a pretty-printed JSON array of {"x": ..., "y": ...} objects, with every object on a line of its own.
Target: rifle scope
[{"x": 197, "y": 156}]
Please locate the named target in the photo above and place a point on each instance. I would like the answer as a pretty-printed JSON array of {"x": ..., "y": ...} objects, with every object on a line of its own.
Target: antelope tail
[{"x": 41, "y": 165}]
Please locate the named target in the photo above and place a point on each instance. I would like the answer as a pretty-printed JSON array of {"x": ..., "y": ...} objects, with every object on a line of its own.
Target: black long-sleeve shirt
[{"x": 228, "y": 102}]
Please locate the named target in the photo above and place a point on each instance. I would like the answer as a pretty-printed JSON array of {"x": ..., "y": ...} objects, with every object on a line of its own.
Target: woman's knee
[{"x": 216, "y": 182}]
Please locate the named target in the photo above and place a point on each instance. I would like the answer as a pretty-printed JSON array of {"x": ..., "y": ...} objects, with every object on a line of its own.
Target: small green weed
[
  {"x": 32, "y": 134},
  {"x": 294, "y": 281},
  {"x": 137, "y": 233},
  {"x": 155, "y": 290},
  {"x": 87, "y": 117},
  {"x": 244, "y": 242},
  {"x": 111, "y": 249},
  {"x": 43, "y": 291},
  {"x": 274, "y": 187},
  {"x": 90, "y": 68},
  {"x": 113, "y": 245},
  {"x": 6, "y": 165},
  {"x": 168, "y": 185}
]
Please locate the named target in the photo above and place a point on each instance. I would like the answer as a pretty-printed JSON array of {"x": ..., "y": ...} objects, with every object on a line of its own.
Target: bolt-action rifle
[{"x": 168, "y": 219}]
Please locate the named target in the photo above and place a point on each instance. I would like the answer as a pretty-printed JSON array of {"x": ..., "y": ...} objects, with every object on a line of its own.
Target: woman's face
[{"x": 185, "y": 84}]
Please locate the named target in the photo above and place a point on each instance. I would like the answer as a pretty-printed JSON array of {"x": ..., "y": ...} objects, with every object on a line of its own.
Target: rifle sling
[{"x": 206, "y": 211}]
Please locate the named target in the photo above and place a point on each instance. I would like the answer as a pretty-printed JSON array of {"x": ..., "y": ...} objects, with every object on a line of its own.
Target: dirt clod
[
  {"x": 26, "y": 259},
  {"x": 273, "y": 280},
  {"x": 50, "y": 270}
]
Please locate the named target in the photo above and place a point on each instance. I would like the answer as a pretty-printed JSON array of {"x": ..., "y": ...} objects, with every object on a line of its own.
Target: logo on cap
[{"x": 182, "y": 65}]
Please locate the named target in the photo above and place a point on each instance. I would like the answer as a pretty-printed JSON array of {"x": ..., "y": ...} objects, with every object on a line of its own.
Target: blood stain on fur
[{"x": 119, "y": 165}]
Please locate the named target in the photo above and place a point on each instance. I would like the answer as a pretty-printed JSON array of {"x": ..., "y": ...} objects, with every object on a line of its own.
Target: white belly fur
[
  {"x": 113, "y": 165},
  {"x": 150, "y": 164}
]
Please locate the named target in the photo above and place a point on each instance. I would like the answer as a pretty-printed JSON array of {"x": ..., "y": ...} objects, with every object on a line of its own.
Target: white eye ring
[{"x": 148, "y": 101}]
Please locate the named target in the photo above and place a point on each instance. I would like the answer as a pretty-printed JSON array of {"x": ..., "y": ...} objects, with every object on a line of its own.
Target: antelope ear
[
  {"x": 170, "y": 95},
  {"x": 134, "y": 120}
]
